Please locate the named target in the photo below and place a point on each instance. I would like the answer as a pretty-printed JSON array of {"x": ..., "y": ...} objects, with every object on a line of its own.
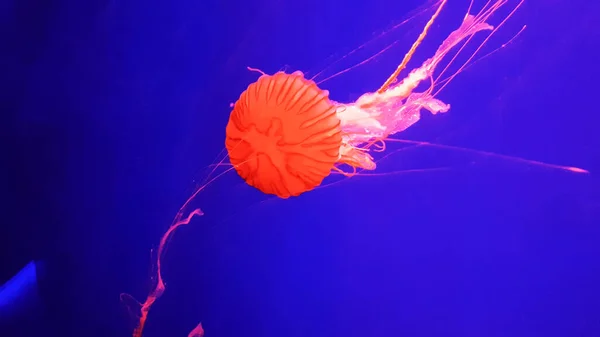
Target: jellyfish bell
[{"x": 283, "y": 135}]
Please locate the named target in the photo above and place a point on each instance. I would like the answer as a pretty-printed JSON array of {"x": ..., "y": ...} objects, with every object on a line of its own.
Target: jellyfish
[{"x": 285, "y": 135}]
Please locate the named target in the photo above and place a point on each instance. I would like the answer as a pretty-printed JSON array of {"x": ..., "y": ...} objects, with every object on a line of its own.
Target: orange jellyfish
[{"x": 285, "y": 135}]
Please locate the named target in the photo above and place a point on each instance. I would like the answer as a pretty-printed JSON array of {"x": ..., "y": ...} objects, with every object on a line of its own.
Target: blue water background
[{"x": 138, "y": 93}]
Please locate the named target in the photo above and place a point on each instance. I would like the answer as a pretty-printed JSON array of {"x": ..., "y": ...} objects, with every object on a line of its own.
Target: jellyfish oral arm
[{"x": 374, "y": 116}]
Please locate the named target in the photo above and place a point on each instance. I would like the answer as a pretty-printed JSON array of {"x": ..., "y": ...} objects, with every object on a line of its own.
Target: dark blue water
[{"x": 111, "y": 110}]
